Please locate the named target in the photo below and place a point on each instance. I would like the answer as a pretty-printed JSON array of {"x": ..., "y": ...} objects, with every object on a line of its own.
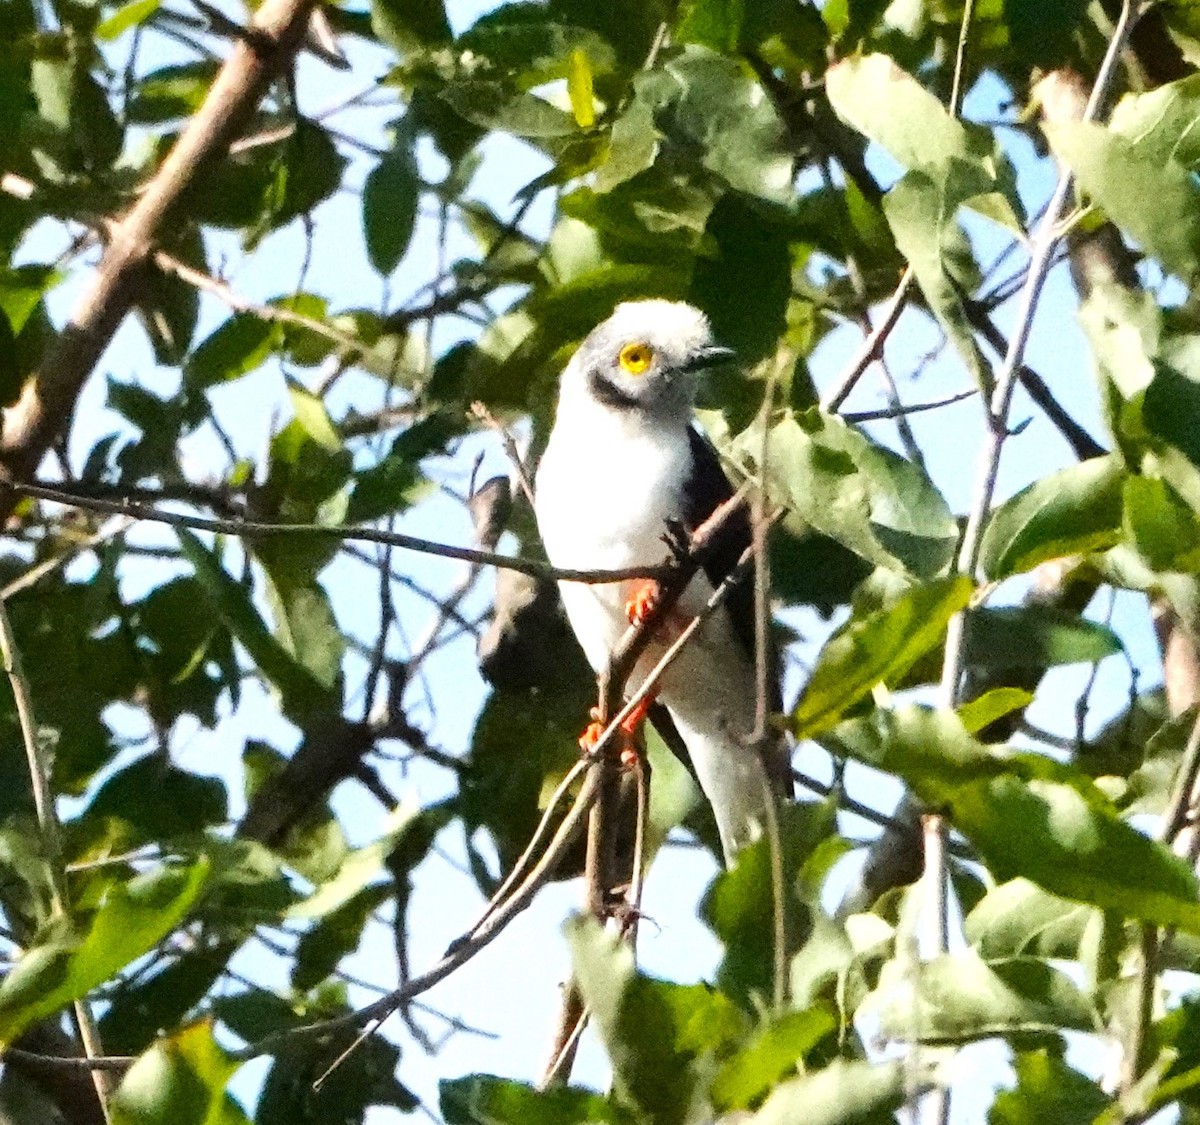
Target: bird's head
[{"x": 645, "y": 358}]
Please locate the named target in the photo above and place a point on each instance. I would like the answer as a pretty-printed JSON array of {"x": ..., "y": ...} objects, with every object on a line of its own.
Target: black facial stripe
[{"x": 605, "y": 391}]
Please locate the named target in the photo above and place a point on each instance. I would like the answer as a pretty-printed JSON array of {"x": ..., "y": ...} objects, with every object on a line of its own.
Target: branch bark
[{"x": 43, "y": 411}]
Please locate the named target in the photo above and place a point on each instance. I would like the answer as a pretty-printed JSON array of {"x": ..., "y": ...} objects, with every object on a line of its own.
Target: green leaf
[
  {"x": 305, "y": 623},
  {"x": 181, "y": 1080},
  {"x": 1170, "y": 408},
  {"x": 713, "y": 108},
  {"x": 126, "y": 16},
  {"x": 1072, "y": 842},
  {"x": 389, "y": 200},
  {"x": 843, "y": 1093},
  {"x": 961, "y": 998},
  {"x": 241, "y": 345},
  {"x": 357, "y": 869},
  {"x": 304, "y": 170},
  {"x": 1162, "y": 123},
  {"x": 739, "y": 907},
  {"x": 168, "y": 306},
  {"x": 170, "y": 92},
  {"x": 892, "y": 109},
  {"x": 184, "y": 802},
  {"x": 482, "y": 1099},
  {"x": 580, "y": 89},
  {"x": 533, "y": 48},
  {"x": 1048, "y": 1090},
  {"x": 868, "y": 498},
  {"x": 751, "y": 256},
  {"x": 921, "y": 212},
  {"x": 335, "y": 936},
  {"x": 314, "y": 418},
  {"x": 22, "y": 290},
  {"x": 409, "y": 25},
  {"x": 498, "y": 106},
  {"x": 1070, "y": 512},
  {"x": 1118, "y": 175},
  {"x": 1018, "y": 918},
  {"x": 951, "y": 164},
  {"x": 715, "y": 24},
  {"x": 138, "y": 1009},
  {"x": 301, "y": 692},
  {"x": 1160, "y": 526},
  {"x": 1036, "y": 636},
  {"x": 130, "y": 921},
  {"x": 992, "y": 705},
  {"x": 875, "y": 648},
  {"x": 651, "y": 1029},
  {"x": 774, "y": 1052},
  {"x": 1041, "y": 33}
]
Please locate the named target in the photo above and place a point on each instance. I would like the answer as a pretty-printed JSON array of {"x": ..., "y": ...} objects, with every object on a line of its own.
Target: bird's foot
[
  {"x": 632, "y": 740},
  {"x": 643, "y": 597},
  {"x": 629, "y": 732},
  {"x": 591, "y": 735}
]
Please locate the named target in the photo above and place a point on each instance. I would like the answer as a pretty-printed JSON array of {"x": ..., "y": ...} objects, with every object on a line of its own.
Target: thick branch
[{"x": 42, "y": 412}]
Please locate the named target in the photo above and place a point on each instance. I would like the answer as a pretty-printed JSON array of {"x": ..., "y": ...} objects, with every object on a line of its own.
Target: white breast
[{"x": 606, "y": 487}]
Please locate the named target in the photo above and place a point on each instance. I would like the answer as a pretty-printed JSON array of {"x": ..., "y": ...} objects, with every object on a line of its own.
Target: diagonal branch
[{"x": 44, "y": 408}]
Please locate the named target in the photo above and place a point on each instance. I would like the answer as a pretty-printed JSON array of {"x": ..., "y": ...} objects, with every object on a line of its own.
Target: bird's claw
[
  {"x": 590, "y": 736},
  {"x": 629, "y": 732},
  {"x": 642, "y": 600}
]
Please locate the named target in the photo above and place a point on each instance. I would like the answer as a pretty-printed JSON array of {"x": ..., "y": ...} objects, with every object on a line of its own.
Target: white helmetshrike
[{"x": 624, "y": 464}]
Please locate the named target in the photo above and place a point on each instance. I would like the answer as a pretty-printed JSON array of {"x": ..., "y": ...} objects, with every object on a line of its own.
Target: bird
[{"x": 625, "y": 467}]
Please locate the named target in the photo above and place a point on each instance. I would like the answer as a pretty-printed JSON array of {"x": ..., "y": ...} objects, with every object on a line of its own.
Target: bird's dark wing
[{"x": 705, "y": 490}]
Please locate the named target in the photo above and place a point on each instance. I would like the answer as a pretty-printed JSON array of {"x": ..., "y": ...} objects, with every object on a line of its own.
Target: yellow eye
[{"x": 635, "y": 358}]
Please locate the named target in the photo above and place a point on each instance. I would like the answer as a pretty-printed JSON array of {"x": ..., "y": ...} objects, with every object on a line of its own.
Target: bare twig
[
  {"x": 459, "y": 952},
  {"x": 117, "y": 1064},
  {"x": 510, "y": 447},
  {"x": 36, "y": 573},
  {"x": 871, "y": 348},
  {"x": 1045, "y": 241},
  {"x": 257, "y": 528},
  {"x": 901, "y": 411},
  {"x": 51, "y": 832}
]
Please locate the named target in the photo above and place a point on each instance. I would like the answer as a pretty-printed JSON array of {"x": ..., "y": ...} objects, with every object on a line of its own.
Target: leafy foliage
[{"x": 271, "y": 754}]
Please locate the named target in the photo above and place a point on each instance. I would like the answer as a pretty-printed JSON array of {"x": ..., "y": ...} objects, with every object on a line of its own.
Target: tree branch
[
  {"x": 251, "y": 529},
  {"x": 47, "y": 400}
]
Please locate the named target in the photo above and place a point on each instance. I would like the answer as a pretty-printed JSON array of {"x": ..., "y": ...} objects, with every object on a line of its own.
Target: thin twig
[
  {"x": 762, "y": 672},
  {"x": 36, "y": 573},
  {"x": 1174, "y": 821},
  {"x": 510, "y": 447},
  {"x": 531, "y": 849},
  {"x": 256, "y": 528},
  {"x": 871, "y": 348},
  {"x": 957, "y": 88},
  {"x": 903, "y": 411},
  {"x": 39, "y": 765},
  {"x": 458, "y": 953},
  {"x": 115, "y": 1063},
  {"x": 1042, "y": 248}
]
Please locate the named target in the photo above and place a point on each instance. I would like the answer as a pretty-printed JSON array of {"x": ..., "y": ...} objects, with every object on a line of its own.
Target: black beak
[{"x": 708, "y": 357}]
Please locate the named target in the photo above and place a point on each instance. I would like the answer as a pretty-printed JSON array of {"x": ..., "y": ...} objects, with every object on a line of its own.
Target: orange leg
[{"x": 631, "y": 727}]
